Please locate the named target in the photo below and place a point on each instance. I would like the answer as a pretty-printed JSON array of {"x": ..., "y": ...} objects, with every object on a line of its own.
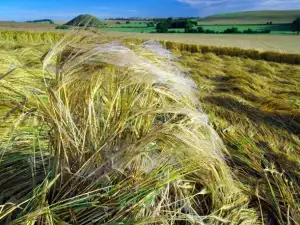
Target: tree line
[
  {"x": 190, "y": 26},
  {"x": 41, "y": 21},
  {"x": 296, "y": 25},
  {"x": 233, "y": 30}
]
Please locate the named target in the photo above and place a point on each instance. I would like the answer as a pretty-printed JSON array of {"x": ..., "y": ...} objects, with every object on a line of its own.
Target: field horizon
[{"x": 274, "y": 42}]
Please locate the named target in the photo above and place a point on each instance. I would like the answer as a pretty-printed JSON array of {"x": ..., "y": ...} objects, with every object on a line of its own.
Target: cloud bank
[{"x": 207, "y": 7}]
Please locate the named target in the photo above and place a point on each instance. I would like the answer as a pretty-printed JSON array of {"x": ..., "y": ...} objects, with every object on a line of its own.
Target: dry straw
[{"x": 103, "y": 134}]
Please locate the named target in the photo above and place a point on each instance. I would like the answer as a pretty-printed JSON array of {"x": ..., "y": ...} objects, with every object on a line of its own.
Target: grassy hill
[
  {"x": 253, "y": 17},
  {"x": 85, "y": 20}
]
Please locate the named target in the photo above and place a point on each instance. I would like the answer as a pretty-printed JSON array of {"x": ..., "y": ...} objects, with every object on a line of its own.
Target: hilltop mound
[
  {"x": 85, "y": 20},
  {"x": 254, "y": 17}
]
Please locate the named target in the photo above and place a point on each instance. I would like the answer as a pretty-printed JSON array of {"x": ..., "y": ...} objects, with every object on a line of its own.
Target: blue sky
[{"x": 20, "y": 10}]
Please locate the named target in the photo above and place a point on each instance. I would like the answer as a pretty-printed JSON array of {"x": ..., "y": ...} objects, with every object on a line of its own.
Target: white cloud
[
  {"x": 222, "y": 6},
  {"x": 278, "y": 4},
  {"x": 201, "y": 2}
]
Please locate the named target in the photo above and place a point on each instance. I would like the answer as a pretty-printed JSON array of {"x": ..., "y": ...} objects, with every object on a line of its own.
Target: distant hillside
[
  {"x": 253, "y": 17},
  {"x": 47, "y": 21},
  {"x": 85, "y": 20}
]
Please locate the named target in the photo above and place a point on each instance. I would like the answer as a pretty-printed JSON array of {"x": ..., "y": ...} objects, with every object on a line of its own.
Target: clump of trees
[
  {"x": 182, "y": 24},
  {"x": 233, "y": 30},
  {"x": 190, "y": 26},
  {"x": 199, "y": 30},
  {"x": 208, "y": 31},
  {"x": 150, "y": 24},
  {"x": 249, "y": 31},
  {"x": 296, "y": 25},
  {"x": 164, "y": 25}
]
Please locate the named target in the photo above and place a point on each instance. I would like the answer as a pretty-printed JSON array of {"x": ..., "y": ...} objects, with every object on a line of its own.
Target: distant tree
[
  {"x": 232, "y": 30},
  {"x": 189, "y": 25},
  {"x": 150, "y": 24},
  {"x": 193, "y": 22},
  {"x": 201, "y": 30},
  {"x": 208, "y": 31},
  {"x": 249, "y": 31},
  {"x": 296, "y": 26},
  {"x": 182, "y": 23},
  {"x": 170, "y": 21},
  {"x": 118, "y": 22},
  {"x": 127, "y": 22},
  {"x": 189, "y": 28},
  {"x": 162, "y": 27}
]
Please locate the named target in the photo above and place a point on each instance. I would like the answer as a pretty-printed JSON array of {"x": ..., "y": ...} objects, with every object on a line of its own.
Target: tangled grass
[
  {"x": 104, "y": 133},
  {"x": 101, "y": 134},
  {"x": 255, "y": 108}
]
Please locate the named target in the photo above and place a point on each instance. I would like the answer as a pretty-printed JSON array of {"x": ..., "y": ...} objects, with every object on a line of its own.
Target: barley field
[
  {"x": 270, "y": 42},
  {"x": 106, "y": 130},
  {"x": 278, "y": 43},
  {"x": 22, "y": 26}
]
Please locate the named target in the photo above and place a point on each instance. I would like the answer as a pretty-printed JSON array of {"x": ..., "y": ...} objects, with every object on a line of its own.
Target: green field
[
  {"x": 275, "y": 29},
  {"x": 95, "y": 131},
  {"x": 253, "y": 17},
  {"x": 255, "y": 20}
]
